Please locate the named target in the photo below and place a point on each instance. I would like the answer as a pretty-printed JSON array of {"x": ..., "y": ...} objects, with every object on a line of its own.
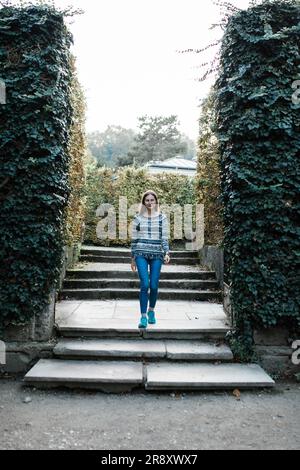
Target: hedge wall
[
  {"x": 106, "y": 185},
  {"x": 208, "y": 179},
  {"x": 259, "y": 133},
  {"x": 76, "y": 209},
  {"x": 34, "y": 132}
]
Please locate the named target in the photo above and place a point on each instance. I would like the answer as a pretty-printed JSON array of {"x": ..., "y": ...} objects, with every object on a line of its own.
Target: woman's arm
[
  {"x": 134, "y": 236},
  {"x": 165, "y": 235}
]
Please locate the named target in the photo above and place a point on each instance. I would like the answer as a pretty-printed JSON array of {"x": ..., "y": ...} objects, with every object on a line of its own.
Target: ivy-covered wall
[
  {"x": 259, "y": 133},
  {"x": 35, "y": 65}
]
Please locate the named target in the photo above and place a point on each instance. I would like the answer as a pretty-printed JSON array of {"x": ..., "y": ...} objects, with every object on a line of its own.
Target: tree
[
  {"x": 111, "y": 147},
  {"x": 158, "y": 139},
  {"x": 191, "y": 148}
]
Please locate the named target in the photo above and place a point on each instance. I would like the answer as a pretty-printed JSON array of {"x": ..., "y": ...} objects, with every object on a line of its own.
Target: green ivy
[
  {"x": 258, "y": 128},
  {"x": 34, "y": 132}
]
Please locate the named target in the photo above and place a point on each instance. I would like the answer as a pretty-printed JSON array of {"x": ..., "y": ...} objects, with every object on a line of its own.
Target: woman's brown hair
[{"x": 142, "y": 204}]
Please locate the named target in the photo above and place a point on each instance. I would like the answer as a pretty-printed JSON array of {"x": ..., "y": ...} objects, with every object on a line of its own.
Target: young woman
[{"x": 149, "y": 246}]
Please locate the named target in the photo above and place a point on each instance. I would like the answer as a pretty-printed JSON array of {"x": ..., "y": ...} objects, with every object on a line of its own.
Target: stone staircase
[
  {"x": 176, "y": 284},
  {"x": 100, "y": 346}
]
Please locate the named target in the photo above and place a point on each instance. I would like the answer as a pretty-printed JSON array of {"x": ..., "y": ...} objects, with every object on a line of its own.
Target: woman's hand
[
  {"x": 167, "y": 258},
  {"x": 133, "y": 265}
]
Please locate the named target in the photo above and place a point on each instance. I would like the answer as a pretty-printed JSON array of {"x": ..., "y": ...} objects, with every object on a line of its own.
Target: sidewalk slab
[
  {"x": 125, "y": 348},
  {"x": 141, "y": 348},
  {"x": 106, "y": 376},
  {"x": 198, "y": 351},
  {"x": 192, "y": 376}
]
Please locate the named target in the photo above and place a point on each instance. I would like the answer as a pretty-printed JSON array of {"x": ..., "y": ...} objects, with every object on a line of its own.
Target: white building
[{"x": 177, "y": 165}]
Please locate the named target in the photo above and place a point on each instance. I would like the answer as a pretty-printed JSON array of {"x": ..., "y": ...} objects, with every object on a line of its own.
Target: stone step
[
  {"x": 105, "y": 274},
  {"x": 187, "y": 284},
  {"x": 206, "y": 327},
  {"x": 164, "y": 294},
  {"x": 140, "y": 348},
  {"x": 106, "y": 376},
  {"x": 126, "y": 259},
  {"x": 125, "y": 252},
  {"x": 197, "y": 376},
  {"x": 120, "y": 376}
]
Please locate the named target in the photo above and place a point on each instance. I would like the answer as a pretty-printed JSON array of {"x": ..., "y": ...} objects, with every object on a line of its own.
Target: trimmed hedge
[
  {"x": 259, "y": 134},
  {"x": 35, "y": 65},
  {"x": 106, "y": 185},
  {"x": 75, "y": 210},
  {"x": 208, "y": 179}
]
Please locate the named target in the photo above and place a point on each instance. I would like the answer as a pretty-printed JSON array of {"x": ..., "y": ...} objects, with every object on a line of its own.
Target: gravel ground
[{"x": 68, "y": 419}]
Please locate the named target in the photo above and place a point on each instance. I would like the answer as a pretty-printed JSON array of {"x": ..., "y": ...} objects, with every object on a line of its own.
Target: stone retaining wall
[
  {"x": 23, "y": 345},
  {"x": 273, "y": 346},
  {"x": 212, "y": 257}
]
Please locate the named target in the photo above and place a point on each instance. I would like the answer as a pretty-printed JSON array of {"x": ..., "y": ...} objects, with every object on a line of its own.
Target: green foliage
[
  {"x": 34, "y": 133},
  {"x": 158, "y": 139},
  {"x": 106, "y": 185},
  {"x": 111, "y": 147},
  {"x": 75, "y": 211},
  {"x": 208, "y": 175},
  {"x": 119, "y": 147},
  {"x": 242, "y": 352},
  {"x": 191, "y": 151},
  {"x": 258, "y": 129}
]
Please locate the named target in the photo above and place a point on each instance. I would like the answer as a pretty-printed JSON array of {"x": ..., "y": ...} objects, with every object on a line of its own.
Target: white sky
[{"x": 127, "y": 60}]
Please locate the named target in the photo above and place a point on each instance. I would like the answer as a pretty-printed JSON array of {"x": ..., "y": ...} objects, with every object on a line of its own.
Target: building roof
[{"x": 175, "y": 163}]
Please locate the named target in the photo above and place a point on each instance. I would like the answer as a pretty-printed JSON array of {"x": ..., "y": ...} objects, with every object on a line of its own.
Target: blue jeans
[{"x": 142, "y": 267}]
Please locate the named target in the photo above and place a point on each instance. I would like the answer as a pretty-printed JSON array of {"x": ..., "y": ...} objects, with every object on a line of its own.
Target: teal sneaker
[
  {"x": 151, "y": 317},
  {"x": 143, "y": 322}
]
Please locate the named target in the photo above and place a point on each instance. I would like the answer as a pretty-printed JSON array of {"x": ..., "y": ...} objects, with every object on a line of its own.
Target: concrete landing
[{"x": 175, "y": 320}]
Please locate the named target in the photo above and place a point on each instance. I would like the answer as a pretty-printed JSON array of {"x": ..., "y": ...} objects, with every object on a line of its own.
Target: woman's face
[{"x": 150, "y": 202}]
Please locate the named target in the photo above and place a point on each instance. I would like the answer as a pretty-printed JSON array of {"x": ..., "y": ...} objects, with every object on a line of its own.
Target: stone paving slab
[
  {"x": 105, "y": 248},
  {"x": 158, "y": 376},
  {"x": 89, "y": 266},
  {"x": 125, "y": 315},
  {"x": 124, "y": 325},
  {"x": 164, "y": 294},
  {"x": 139, "y": 348},
  {"x": 121, "y": 308},
  {"x": 93, "y": 325},
  {"x": 88, "y": 311},
  {"x": 164, "y": 305},
  {"x": 111, "y": 347},
  {"x": 128, "y": 250},
  {"x": 136, "y": 290},
  {"x": 197, "y": 350},
  {"x": 56, "y": 370},
  {"x": 205, "y": 376},
  {"x": 162, "y": 316}
]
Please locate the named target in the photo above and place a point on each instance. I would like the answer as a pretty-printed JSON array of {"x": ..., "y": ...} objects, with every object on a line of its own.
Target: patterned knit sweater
[{"x": 149, "y": 236}]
